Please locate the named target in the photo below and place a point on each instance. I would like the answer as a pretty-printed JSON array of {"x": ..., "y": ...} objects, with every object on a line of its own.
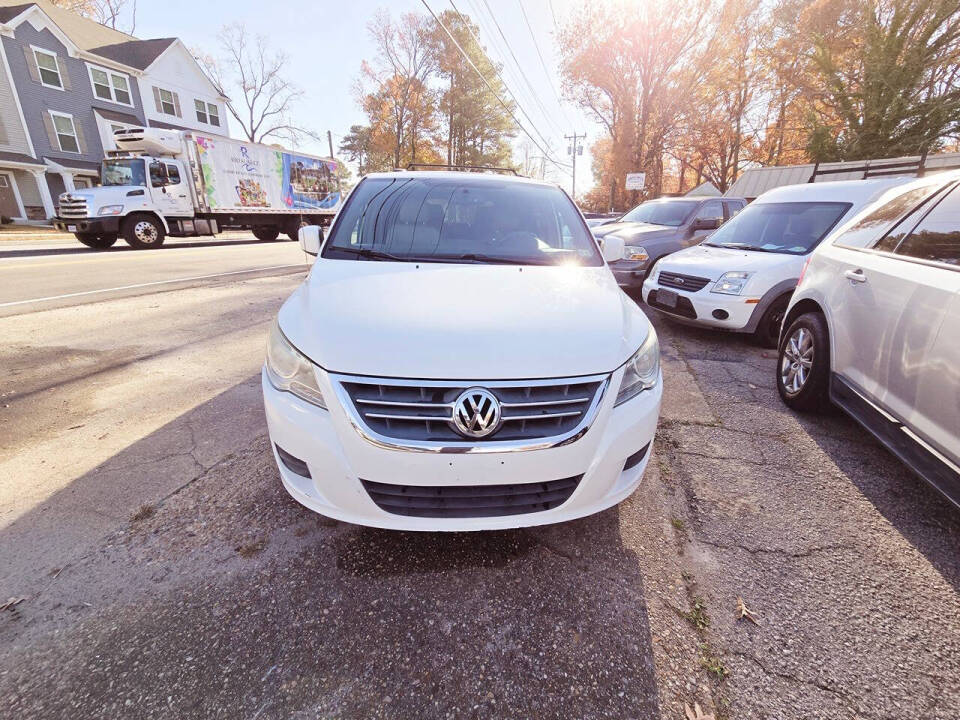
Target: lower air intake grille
[{"x": 471, "y": 501}]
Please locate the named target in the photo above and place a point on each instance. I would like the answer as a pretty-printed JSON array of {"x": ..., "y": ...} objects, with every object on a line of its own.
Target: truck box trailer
[{"x": 176, "y": 183}]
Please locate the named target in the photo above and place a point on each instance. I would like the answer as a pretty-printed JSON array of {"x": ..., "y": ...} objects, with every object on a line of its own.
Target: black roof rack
[
  {"x": 903, "y": 167},
  {"x": 467, "y": 168}
]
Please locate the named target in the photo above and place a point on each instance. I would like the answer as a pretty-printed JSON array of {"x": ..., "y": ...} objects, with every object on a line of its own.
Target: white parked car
[
  {"x": 460, "y": 358},
  {"x": 874, "y": 326},
  {"x": 741, "y": 277}
]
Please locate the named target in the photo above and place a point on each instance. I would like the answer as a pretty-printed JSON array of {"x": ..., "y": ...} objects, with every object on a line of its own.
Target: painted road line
[{"x": 10, "y": 308}]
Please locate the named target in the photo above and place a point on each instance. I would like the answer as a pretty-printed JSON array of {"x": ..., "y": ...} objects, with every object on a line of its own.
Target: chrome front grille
[
  {"x": 72, "y": 206},
  {"x": 419, "y": 414},
  {"x": 691, "y": 283}
]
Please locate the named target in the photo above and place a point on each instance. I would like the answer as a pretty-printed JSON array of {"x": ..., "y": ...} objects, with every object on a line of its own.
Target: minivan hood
[
  {"x": 463, "y": 322},
  {"x": 712, "y": 262}
]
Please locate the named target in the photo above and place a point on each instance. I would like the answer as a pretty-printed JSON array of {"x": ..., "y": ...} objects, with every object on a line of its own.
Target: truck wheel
[
  {"x": 293, "y": 229},
  {"x": 143, "y": 232},
  {"x": 99, "y": 242},
  {"x": 803, "y": 364},
  {"x": 266, "y": 234},
  {"x": 767, "y": 333}
]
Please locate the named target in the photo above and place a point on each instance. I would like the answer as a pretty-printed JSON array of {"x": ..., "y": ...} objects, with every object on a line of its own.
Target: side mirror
[
  {"x": 612, "y": 248},
  {"x": 707, "y": 223},
  {"x": 310, "y": 237}
]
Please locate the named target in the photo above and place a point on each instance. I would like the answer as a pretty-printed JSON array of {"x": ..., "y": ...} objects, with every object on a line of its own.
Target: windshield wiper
[
  {"x": 375, "y": 254},
  {"x": 491, "y": 259}
]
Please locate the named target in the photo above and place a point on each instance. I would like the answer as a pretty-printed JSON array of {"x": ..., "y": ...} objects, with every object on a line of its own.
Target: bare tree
[
  {"x": 254, "y": 77},
  {"x": 118, "y": 14}
]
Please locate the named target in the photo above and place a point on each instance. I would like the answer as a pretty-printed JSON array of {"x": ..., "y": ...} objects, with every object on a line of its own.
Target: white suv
[
  {"x": 460, "y": 358},
  {"x": 874, "y": 326},
  {"x": 741, "y": 277}
]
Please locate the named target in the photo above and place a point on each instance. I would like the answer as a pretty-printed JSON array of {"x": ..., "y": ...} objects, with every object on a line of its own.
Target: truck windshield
[
  {"x": 461, "y": 221},
  {"x": 123, "y": 172},
  {"x": 793, "y": 228},
  {"x": 661, "y": 212}
]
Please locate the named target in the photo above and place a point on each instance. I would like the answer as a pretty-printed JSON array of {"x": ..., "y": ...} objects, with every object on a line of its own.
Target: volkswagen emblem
[{"x": 476, "y": 413}]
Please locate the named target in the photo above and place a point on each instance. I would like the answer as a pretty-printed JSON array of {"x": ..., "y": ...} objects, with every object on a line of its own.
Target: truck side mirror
[{"x": 310, "y": 237}]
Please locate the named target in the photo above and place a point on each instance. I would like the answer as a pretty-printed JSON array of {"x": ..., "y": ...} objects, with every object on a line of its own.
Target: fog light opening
[
  {"x": 721, "y": 314},
  {"x": 292, "y": 463}
]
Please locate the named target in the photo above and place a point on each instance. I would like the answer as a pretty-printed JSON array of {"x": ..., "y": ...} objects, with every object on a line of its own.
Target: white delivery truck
[{"x": 178, "y": 183}]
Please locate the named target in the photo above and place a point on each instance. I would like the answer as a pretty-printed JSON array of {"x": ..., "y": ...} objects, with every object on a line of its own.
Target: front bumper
[
  {"x": 705, "y": 308},
  {"x": 338, "y": 458},
  {"x": 109, "y": 225},
  {"x": 629, "y": 274}
]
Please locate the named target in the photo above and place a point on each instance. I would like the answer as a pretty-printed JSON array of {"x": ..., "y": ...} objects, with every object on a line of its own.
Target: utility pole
[
  {"x": 575, "y": 150},
  {"x": 330, "y": 142}
]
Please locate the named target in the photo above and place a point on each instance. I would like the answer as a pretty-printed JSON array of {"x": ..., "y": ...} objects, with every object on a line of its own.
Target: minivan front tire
[{"x": 803, "y": 364}]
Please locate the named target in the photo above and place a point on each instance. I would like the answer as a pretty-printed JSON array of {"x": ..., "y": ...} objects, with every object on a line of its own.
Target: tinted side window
[
  {"x": 733, "y": 208},
  {"x": 937, "y": 237},
  {"x": 710, "y": 211},
  {"x": 173, "y": 174},
  {"x": 866, "y": 231}
]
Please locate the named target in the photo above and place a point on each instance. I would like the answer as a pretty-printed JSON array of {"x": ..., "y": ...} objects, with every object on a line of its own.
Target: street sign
[{"x": 635, "y": 181}]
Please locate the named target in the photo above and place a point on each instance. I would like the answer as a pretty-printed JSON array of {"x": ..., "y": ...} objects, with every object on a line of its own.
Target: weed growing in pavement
[
  {"x": 697, "y": 616},
  {"x": 678, "y": 524},
  {"x": 143, "y": 513},
  {"x": 711, "y": 662}
]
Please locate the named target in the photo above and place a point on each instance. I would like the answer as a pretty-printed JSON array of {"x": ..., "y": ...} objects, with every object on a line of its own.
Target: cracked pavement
[{"x": 165, "y": 572}]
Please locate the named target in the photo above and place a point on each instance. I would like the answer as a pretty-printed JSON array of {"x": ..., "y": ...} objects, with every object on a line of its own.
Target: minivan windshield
[
  {"x": 794, "y": 228},
  {"x": 123, "y": 172},
  {"x": 661, "y": 212},
  {"x": 461, "y": 220}
]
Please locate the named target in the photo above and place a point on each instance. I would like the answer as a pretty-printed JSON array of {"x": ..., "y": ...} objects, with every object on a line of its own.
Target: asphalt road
[{"x": 165, "y": 573}]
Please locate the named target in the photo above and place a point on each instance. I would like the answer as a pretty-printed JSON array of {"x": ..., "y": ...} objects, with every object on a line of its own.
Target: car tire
[
  {"x": 803, "y": 364},
  {"x": 767, "y": 333},
  {"x": 98, "y": 242},
  {"x": 143, "y": 232},
  {"x": 266, "y": 234}
]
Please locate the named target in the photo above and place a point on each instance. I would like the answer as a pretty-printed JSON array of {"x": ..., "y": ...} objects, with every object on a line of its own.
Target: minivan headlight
[
  {"x": 290, "y": 371},
  {"x": 641, "y": 371},
  {"x": 731, "y": 283}
]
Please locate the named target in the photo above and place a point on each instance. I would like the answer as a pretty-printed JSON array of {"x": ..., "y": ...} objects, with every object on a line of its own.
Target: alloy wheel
[{"x": 796, "y": 361}]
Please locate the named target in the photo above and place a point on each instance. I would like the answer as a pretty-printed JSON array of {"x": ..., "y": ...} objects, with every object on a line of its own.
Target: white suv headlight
[
  {"x": 641, "y": 371},
  {"x": 731, "y": 283},
  {"x": 290, "y": 371}
]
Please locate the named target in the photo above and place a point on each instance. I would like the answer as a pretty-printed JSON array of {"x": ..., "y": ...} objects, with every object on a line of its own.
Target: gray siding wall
[
  {"x": 13, "y": 137},
  {"x": 78, "y": 101}
]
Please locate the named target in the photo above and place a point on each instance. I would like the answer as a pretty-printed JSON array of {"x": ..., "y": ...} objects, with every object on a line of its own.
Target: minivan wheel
[
  {"x": 767, "y": 333},
  {"x": 803, "y": 364},
  {"x": 143, "y": 232}
]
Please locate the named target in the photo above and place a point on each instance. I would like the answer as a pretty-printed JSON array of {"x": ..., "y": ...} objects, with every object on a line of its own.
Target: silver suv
[{"x": 874, "y": 327}]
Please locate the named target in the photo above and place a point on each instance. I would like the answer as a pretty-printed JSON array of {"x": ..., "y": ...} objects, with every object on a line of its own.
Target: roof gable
[{"x": 139, "y": 54}]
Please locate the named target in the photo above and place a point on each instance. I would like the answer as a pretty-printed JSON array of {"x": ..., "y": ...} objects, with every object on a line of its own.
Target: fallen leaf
[
  {"x": 11, "y": 603},
  {"x": 744, "y": 612},
  {"x": 696, "y": 713}
]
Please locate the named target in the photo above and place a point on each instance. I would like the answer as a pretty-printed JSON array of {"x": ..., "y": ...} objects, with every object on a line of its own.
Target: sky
[{"x": 326, "y": 42}]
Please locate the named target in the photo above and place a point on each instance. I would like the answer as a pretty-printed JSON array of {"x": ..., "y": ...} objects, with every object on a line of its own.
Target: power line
[
  {"x": 543, "y": 63},
  {"x": 523, "y": 76},
  {"x": 490, "y": 87}
]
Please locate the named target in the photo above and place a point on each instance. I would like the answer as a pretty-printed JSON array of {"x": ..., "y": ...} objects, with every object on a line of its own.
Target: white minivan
[
  {"x": 741, "y": 277},
  {"x": 460, "y": 358},
  {"x": 874, "y": 327}
]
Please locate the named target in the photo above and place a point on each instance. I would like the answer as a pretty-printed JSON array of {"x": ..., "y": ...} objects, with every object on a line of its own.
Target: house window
[
  {"x": 167, "y": 105},
  {"x": 48, "y": 67},
  {"x": 108, "y": 85},
  {"x": 66, "y": 132},
  {"x": 207, "y": 113}
]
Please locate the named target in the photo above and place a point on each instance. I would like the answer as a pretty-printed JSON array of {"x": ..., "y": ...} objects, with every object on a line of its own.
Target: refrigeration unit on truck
[{"x": 175, "y": 183}]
